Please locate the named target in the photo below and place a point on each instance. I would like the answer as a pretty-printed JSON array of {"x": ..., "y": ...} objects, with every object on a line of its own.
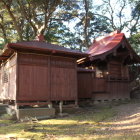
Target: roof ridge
[{"x": 107, "y": 35}]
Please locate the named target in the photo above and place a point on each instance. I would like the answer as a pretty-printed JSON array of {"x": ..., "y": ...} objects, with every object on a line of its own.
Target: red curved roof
[{"x": 105, "y": 44}]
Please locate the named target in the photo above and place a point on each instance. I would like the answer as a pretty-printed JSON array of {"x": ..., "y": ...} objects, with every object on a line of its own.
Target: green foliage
[
  {"x": 135, "y": 42},
  {"x": 70, "y": 23}
]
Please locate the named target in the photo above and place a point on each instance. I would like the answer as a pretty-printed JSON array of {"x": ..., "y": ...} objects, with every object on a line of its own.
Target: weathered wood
[
  {"x": 33, "y": 103},
  {"x": 35, "y": 77},
  {"x": 113, "y": 85},
  {"x": 34, "y": 84},
  {"x": 84, "y": 85},
  {"x": 63, "y": 83}
]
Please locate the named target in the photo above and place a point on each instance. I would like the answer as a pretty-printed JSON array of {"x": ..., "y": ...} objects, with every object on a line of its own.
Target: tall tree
[
  {"x": 38, "y": 13},
  {"x": 27, "y": 14},
  {"x": 9, "y": 5}
]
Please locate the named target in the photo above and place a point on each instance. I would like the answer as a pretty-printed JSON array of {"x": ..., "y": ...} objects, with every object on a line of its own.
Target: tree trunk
[
  {"x": 14, "y": 20},
  {"x": 86, "y": 25}
]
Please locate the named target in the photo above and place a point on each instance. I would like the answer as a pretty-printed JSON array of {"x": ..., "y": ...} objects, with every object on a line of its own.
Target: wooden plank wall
[
  {"x": 8, "y": 79},
  {"x": 43, "y": 78},
  {"x": 32, "y": 77},
  {"x": 63, "y": 79},
  {"x": 119, "y": 90},
  {"x": 99, "y": 85},
  {"x": 84, "y": 85},
  {"x": 114, "y": 69},
  {"x": 113, "y": 90},
  {"x": 115, "y": 86},
  {"x": 100, "y": 89},
  {"x": 32, "y": 83}
]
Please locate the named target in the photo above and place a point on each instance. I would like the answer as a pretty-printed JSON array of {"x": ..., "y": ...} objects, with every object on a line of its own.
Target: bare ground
[{"x": 126, "y": 121}]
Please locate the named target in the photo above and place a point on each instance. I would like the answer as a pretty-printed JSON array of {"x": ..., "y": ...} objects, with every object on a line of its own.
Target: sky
[{"x": 126, "y": 12}]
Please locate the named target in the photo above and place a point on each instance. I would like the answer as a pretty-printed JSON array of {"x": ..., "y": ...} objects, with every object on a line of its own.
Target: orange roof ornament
[
  {"x": 118, "y": 31},
  {"x": 39, "y": 38}
]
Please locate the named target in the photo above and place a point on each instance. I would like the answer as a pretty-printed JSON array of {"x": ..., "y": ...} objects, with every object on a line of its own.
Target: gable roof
[
  {"x": 108, "y": 44},
  {"x": 40, "y": 47}
]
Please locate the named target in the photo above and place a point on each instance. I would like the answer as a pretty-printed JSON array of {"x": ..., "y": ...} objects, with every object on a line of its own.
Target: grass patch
[
  {"x": 82, "y": 124},
  {"x": 6, "y": 121},
  {"x": 6, "y": 117},
  {"x": 77, "y": 126}
]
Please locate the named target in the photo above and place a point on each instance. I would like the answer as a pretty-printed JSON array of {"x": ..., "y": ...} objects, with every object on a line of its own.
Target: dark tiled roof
[{"x": 41, "y": 45}]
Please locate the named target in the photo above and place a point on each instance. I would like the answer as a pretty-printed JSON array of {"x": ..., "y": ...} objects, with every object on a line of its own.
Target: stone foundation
[{"x": 38, "y": 113}]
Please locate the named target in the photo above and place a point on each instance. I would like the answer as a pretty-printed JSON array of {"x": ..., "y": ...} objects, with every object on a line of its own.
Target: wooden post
[
  {"x": 60, "y": 106},
  {"x": 49, "y": 78}
]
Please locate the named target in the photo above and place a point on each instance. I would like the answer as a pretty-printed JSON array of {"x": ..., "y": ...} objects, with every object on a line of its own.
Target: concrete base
[
  {"x": 96, "y": 102},
  {"x": 11, "y": 111},
  {"x": 38, "y": 113},
  {"x": 35, "y": 113}
]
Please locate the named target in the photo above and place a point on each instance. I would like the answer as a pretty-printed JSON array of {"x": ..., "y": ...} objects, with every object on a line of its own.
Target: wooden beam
[{"x": 34, "y": 103}]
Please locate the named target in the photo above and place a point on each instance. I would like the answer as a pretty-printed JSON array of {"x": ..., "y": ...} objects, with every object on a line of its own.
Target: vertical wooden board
[
  {"x": 33, "y": 82},
  {"x": 112, "y": 90},
  {"x": 118, "y": 90},
  {"x": 13, "y": 61},
  {"x": 126, "y": 90},
  {"x": 25, "y": 74},
  {"x": 115, "y": 89},
  {"x": 56, "y": 81},
  {"x": 40, "y": 81},
  {"x": 80, "y": 85},
  {"x": 73, "y": 83},
  {"x": 63, "y": 83},
  {"x": 55, "y": 77},
  {"x": 5, "y": 86},
  {"x": 5, "y": 91},
  {"x": 114, "y": 69},
  {"x": 99, "y": 85},
  {"x": 84, "y": 85},
  {"x": 12, "y": 83},
  {"x": 125, "y": 73},
  {"x": 121, "y": 92}
]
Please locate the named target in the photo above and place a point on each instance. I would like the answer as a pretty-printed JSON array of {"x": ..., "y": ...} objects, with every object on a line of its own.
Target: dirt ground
[{"x": 126, "y": 121}]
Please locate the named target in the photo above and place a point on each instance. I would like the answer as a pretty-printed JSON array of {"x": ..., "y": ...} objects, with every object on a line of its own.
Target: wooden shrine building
[
  {"x": 36, "y": 72},
  {"x": 109, "y": 57}
]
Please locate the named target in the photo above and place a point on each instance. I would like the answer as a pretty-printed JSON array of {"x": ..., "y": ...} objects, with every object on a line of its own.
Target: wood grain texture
[
  {"x": 85, "y": 85},
  {"x": 33, "y": 82},
  {"x": 63, "y": 83}
]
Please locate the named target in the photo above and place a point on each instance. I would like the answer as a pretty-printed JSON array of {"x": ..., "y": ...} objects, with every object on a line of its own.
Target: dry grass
[{"x": 113, "y": 121}]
